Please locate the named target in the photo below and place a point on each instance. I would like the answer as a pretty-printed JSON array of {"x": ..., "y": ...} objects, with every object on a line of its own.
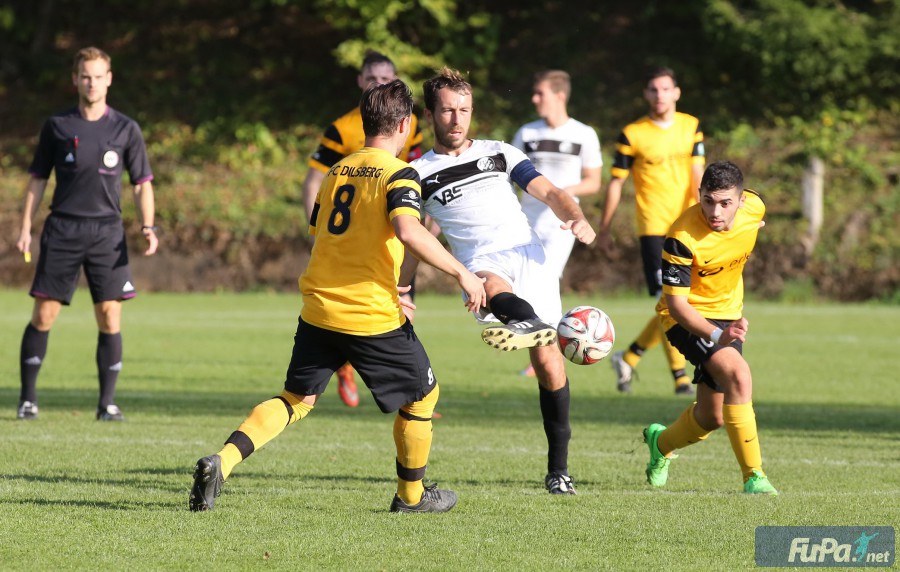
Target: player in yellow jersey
[
  {"x": 664, "y": 151},
  {"x": 367, "y": 219},
  {"x": 702, "y": 312},
  {"x": 343, "y": 137}
]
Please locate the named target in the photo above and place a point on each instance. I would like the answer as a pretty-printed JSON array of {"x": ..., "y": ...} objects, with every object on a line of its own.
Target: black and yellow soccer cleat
[
  {"x": 433, "y": 500},
  {"x": 208, "y": 483},
  {"x": 518, "y": 335}
]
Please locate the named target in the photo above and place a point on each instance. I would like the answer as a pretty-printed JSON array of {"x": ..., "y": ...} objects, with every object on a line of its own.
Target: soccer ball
[{"x": 585, "y": 335}]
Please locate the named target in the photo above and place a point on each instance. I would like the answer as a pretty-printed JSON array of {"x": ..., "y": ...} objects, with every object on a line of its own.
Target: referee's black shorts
[
  {"x": 393, "y": 365},
  {"x": 69, "y": 244},
  {"x": 698, "y": 350}
]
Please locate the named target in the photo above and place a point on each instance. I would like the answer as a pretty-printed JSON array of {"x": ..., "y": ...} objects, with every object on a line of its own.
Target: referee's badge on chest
[{"x": 110, "y": 159}]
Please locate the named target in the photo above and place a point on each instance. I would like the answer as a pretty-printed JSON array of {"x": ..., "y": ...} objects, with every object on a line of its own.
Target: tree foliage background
[{"x": 232, "y": 95}]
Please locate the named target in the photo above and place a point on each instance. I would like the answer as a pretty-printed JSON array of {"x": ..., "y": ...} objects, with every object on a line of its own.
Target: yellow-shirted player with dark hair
[
  {"x": 342, "y": 138},
  {"x": 702, "y": 312},
  {"x": 367, "y": 218},
  {"x": 664, "y": 151}
]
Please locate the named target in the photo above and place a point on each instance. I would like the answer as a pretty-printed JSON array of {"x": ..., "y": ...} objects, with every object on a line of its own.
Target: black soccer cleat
[
  {"x": 518, "y": 335},
  {"x": 110, "y": 413},
  {"x": 559, "y": 484},
  {"x": 433, "y": 500},
  {"x": 27, "y": 410},
  {"x": 208, "y": 483}
]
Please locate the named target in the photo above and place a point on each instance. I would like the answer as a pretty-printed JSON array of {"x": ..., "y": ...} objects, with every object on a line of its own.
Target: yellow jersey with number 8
[{"x": 350, "y": 283}]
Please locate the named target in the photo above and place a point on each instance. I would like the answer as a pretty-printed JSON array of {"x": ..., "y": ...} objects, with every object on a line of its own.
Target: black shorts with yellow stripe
[
  {"x": 393, "y": 365},
  {"x": 698, "y": 350}
]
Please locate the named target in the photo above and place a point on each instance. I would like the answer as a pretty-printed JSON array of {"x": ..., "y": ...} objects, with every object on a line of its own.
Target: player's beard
[{"x": 447, "y": 141}]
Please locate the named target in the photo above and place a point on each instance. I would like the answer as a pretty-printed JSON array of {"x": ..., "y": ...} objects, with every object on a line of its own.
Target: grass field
[{"x": 78, "y": 494}]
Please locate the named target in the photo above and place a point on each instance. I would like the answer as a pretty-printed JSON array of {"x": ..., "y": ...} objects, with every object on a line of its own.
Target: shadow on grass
[
  {"x": 104, "y": 505},
  {"x": 498, "y": 407}
]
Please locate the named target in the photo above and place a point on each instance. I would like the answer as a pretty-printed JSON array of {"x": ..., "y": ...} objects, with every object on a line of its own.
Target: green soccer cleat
[
  {"x": 658, "y": 467},
  {"x": 758, "y": 484}
]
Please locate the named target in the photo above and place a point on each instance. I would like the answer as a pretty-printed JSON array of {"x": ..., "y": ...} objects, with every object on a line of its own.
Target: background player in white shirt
[
  {"x": 564, "y": 150},
  {"x": 467, "y": 189}
]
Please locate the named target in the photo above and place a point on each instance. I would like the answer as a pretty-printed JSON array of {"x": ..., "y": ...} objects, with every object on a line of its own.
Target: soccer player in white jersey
[
  {"x": 564, "y": 150},
  {"x": 467, "y": 186}
]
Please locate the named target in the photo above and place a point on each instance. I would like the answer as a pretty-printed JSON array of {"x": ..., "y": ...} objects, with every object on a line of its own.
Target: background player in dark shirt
[{"x": 89, "y": 147}]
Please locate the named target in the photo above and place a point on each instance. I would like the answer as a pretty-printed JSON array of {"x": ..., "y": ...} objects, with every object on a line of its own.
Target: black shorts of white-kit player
[{"x": 393, "y": 365}]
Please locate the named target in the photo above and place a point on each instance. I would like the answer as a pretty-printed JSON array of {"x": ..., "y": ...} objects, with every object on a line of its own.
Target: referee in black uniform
[{"x": 89, "y": 147}]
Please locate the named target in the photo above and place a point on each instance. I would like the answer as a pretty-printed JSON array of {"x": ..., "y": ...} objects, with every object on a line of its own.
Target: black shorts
[
  {"x": 698, "y": 350},
  {"x": 651, "y": 255},
  {"x": 98, "y": 245},
  {"x": 393, "y": 365}
]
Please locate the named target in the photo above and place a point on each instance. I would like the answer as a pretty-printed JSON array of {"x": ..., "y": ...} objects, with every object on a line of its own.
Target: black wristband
[{"x": 145, "y": 227}]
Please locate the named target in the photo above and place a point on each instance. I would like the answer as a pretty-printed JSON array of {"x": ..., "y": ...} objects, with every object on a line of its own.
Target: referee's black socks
[{"x": 31, "y": 356}]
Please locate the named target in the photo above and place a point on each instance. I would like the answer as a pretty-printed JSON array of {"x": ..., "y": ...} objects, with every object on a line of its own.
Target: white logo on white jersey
[
  {"x": 434, "y": 180},
  {"x": 485, "y": 164},
  {"x": 128, "y": 287}
]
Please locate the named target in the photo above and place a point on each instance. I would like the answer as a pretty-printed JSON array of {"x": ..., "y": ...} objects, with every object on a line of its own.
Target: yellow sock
[
  {"x": 685, "y": 431},
  {"x": 740, "y": 423},
  {"x": 265, "y": 422},
  {"x": 648, "y": 338},
  {"x": 412, "y": 436},
  {"x": 231, "y": 456}
]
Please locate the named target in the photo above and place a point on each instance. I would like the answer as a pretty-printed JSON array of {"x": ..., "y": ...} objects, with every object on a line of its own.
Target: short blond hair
[{"x": 88, "y": 54}]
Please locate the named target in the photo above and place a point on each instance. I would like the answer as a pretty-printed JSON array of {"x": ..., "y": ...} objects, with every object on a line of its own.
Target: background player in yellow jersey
[
  {"x": 664, "y": 151},
  {"x": 343, "y": 137},
  {"x": 367, "y": 217},
  {"x": 702, "y": 312}
]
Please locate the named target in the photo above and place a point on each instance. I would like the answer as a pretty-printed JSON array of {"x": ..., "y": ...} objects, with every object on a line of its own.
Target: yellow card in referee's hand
[{"x": 27, "y": 255}]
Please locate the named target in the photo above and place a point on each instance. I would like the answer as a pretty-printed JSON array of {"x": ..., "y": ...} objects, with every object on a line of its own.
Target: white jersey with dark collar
[
  {"x": 471, "y": 197},
  {"x": 559, "y": 154}
]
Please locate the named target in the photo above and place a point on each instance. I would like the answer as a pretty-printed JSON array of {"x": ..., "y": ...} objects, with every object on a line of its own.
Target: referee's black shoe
[
  {"x": 208, "y": 483},
  {"x": 519, "y": 334},
  {"x": 110, "y": 413},
  {"x": 433, "y": 500}
]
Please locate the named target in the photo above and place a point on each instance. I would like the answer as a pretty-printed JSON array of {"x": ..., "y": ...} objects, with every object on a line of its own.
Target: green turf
[{"x": 78, "y": 494}]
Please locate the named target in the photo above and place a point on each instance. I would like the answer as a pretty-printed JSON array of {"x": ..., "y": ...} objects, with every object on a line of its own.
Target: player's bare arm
[
  {"x": 146, "y": 204},
  {"x": 690, "y": 319},
  {"x": 564, "y": 207},
  {"x": 428, "y": 249},
  {"x": 589, "y": 184},
  {"x": 311, "y": 185},
  {"x": 34, "y": 193}
]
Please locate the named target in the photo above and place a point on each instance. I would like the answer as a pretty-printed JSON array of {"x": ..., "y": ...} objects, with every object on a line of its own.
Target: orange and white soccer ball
[{"x": 585, "y": 335}]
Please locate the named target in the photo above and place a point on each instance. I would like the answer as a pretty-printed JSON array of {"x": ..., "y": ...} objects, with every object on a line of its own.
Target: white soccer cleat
[{"x": 518, "y": 335}]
